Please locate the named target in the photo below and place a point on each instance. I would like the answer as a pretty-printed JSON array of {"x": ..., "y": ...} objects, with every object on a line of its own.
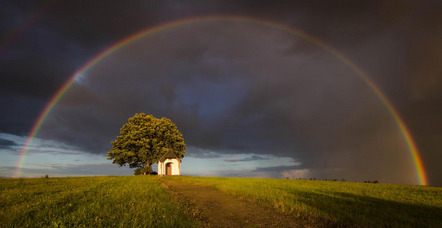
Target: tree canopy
[{"x": 143, "y": 140}]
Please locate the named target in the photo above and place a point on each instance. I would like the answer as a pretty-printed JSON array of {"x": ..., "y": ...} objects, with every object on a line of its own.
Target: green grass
[
  {"x": 138, "y": 201},
  {"x": 339, "y": 203},
  {"x": 141, "y": 201}
]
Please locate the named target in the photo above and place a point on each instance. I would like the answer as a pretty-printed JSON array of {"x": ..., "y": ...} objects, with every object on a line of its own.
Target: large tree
[{"x": 143, "y": 140}]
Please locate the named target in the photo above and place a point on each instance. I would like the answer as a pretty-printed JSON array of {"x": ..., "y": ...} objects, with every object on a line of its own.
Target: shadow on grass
[{"x": 345, "y": 209}]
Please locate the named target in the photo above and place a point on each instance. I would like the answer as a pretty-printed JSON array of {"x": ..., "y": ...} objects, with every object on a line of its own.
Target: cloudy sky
[{"x": 251, "y": 100}]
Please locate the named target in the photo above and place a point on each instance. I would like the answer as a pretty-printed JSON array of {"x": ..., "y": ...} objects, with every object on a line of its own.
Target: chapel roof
[{"x": 168, "y": 154}]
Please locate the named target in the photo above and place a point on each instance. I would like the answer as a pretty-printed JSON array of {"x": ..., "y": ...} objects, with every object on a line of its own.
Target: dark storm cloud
[
  {"x": 18, "y": 113},
  {"x": 39, "y": 60},
  {"x": 196, "y": 152},
  {"x": 6, "y": 144},
  {"x": 236, "y": 88},
  {"x": 231, "y": 94},
  {"x": 252, "y": 158},
  {"x": 36, "y": 60}
]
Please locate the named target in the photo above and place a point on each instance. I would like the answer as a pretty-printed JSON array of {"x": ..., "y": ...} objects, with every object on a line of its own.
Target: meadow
[
  {"x": 142, "y": 201},
  {"x": 134, "y": 201},
  {"x": 343, "y": 204}
]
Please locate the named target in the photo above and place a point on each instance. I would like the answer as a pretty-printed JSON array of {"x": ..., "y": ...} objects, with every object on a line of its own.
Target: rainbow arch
[{"x": 414, "y": 152}]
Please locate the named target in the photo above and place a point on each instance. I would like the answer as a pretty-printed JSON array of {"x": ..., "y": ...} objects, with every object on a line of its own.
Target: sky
[{"x": 251, "y": 99}]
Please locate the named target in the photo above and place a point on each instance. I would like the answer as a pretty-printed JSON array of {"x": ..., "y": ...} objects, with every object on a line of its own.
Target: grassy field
[
  {"x": 89, "y": 202},
  {"x": 339, "y": 203},
  {"x": 142, "y": 201}
]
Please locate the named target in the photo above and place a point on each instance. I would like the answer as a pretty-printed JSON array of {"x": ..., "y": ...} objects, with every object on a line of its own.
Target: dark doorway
[{"x": 169, "y": 169}]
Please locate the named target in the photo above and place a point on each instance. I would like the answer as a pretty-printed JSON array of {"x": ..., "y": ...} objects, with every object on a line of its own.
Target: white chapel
[{"x": 169, "y": 164}]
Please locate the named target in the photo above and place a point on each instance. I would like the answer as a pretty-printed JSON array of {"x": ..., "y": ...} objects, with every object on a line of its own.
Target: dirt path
[{"x": 219, "y": 209}]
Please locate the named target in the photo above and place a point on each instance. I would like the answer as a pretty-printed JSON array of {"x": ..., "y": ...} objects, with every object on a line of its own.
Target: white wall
[{"x": 176, "y": 166}]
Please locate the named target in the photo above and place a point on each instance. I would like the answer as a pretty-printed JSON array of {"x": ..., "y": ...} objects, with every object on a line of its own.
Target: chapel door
[{"x": 169, "y": 169}]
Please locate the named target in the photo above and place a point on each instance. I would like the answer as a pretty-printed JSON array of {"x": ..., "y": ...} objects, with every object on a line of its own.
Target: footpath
[{"x": 219, "y": 209}]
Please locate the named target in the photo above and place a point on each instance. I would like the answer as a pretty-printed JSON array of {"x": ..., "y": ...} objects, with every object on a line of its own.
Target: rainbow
[{"x": 422, "y": 178}]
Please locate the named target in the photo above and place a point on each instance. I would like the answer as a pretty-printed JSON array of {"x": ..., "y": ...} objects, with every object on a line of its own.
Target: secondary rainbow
[
  {"x": 422, "y": 178},
  {"x": 17, "y": 31}
]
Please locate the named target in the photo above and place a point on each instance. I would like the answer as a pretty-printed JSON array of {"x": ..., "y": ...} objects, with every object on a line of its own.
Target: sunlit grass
[
  {"x": 142, "y": 201},
  {"x": 89, "y": 201},
  {"x": 339, "y": 203}
]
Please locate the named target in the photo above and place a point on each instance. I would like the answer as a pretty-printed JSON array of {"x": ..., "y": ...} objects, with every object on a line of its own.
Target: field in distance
[{"x": 144, "y": 201}]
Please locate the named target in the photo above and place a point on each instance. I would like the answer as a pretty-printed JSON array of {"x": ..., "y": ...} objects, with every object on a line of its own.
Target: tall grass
[
  {"x": 138, "y": 201},
  {"x": 339, "y": 203}
]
